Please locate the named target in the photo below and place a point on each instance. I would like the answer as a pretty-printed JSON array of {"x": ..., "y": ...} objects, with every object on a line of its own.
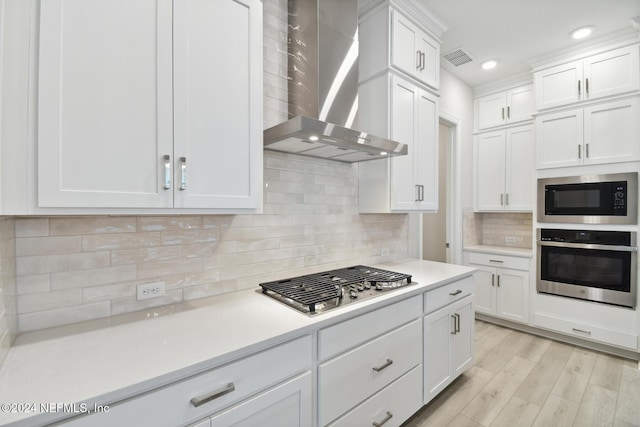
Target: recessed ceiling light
[
  {"x": 488, "y": 65},
  {"x": 581, "y": 33},
  {"x": 313, "y": 138},
  {"x": 383, "y": 153}
]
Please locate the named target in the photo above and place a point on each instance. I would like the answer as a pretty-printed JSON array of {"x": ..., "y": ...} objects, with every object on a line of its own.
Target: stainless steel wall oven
[{"x": 592, "y": 265}]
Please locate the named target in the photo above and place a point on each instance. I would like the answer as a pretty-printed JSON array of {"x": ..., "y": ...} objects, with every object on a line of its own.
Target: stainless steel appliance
[
  {"x": 589, "y": 199},
  {"x": 320, "y": 292},
  {"x": 593, "y": 265},
  {"x": 322, "y": 75}
]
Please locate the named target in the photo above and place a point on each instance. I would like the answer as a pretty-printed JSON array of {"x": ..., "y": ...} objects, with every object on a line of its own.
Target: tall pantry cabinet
[
  {"x": 398, "y": 98},
  {"x": 147, "y": 105}
]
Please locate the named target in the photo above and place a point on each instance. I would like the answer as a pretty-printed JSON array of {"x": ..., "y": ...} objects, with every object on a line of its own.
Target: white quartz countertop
[
  {"x": 500, "y": 250},
  {"x": 105, "y": 365}
]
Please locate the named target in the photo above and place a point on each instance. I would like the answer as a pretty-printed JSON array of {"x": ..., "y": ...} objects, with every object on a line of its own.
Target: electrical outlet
[
  {"x": 151, "y": 290},
  {"x": 384, "y": 252},
  {"x": 510, "y": 239}
]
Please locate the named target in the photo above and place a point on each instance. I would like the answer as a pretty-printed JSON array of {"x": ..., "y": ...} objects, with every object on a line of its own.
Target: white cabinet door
[
  {"x": 513, "y": 295},
  {"x": 485, "y": 290},
  {"x": 612, "y": 73},
  {"x": 520, "y": 103},
  {"x": 218, "y": 103},
  {"x": 491, "y": 110},
  {"x": 413, "y": 51},
  {"x": 104, "y": 103},
  {"x": 559, "y": 139},
  {"x": 448, "y": 345},
  {"x": 558, "y": 85},
  {"x": 519, "y": 161},
  {"x": 612, "y": 132},
  {"x": 426, "y": 162},
  {"x": 490, "y": 171},
  {"x": 404, "y": 107},
  {"x": 289, "y": 404}
]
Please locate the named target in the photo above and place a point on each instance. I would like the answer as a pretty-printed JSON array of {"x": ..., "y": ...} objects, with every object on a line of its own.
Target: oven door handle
[{"x": 614, "y": 248}]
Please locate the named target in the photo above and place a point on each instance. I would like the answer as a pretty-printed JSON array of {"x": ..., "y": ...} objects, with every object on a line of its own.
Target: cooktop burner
[{"x": 319, "y": 292}]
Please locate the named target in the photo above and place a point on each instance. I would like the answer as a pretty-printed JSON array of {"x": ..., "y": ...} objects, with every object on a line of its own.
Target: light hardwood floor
[{"x": 522, "y": 380}]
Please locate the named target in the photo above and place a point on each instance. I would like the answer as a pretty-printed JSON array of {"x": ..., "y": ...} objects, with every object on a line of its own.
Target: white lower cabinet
[
  {"x": 448, "y": 339},
  {"x": 253, "y": 384},
  {"x": 502, "y": 285}
]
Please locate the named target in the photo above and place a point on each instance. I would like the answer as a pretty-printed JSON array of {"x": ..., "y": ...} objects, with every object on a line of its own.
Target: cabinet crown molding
[{"x": 414, "y": 10}]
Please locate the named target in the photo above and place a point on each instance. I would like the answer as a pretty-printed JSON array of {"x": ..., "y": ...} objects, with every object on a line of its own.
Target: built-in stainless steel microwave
[{"x": 589, "y": 199}]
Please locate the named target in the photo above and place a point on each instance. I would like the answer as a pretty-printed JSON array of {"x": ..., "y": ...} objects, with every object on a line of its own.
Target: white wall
[{"x": 457, "y": 101}]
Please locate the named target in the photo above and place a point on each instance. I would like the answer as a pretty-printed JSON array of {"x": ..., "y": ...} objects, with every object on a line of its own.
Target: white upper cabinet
[
  {"x": 600, "y": 133},
  {"x": 502, "y": 108},
  {"x": 152, "y": 108},
  {"x": 503, "y": 170},
  {"x": 606, "y": 74},
  {"x": 413, "y": 51},
  {"x": 389, "y": 39},
  {"x": 403, "y": 183}
]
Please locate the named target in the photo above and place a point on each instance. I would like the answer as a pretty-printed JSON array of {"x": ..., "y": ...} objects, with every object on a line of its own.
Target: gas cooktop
[{"x": 320, "y": 292}]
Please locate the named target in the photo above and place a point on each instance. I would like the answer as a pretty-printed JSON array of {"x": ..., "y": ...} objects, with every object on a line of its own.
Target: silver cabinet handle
[
  {"x": 586, "y": 151},
  {"x": 496, "y": 261},
  {"x": 586, "y": 86},
  {"x": 423, "y": 61},
  {"x": 501, "y": 199},
  {"x": 417, "y": 193},
  {"x": 502, "y": 113},
  {"x": 506, "y": 199},
  {"x": 508, "y": 112},
  {"x": 493, "y": 277},
  {"x": 418, "y": 60},
  {"x": 457, "y": 323},
  {"x": 579, "y": 91},
  {"x": 422, "y": 193},
  {"x": 453, "y": 317},
  {"x": 183, "y": 173},
  {"x": 386, "y": 364},
  {"x": 387, "y": 418},
  {"x": 498, "y": 281},
  {"x": 579, "y": 151},
  {"x": 457, "y": 292},
  {"x": 167, "y": 172},
  {"x": 201, "y": 400},
  {"x": 582, "y": 331}
]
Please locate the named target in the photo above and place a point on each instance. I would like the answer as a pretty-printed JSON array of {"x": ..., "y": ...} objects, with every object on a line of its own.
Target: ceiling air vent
[{"x": 457, "y": 57}]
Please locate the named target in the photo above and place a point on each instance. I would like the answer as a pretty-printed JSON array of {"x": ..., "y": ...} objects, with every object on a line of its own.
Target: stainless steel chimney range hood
[{"x": 323, "y": 82}]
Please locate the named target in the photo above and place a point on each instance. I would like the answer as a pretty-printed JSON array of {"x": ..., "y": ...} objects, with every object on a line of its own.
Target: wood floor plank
[
  {"x": 486, "y": 406},
  {"x": 535, "y": 349},
  {"x": 557, "y": 412},
  {"x": 517, "y": 412},
  {"x": 607, "y": 372},
  {"x": 499, "y": 356},
  {"x": 574, "y": 378},
  {"x": 537, "y": 386},
  {"x": 492, "y": 338},
  {"x": 618, "y": 423},
  {"x": 462, "y": 421},
  {"x": 628, "y": 407},
  {"x": 598, "y": 407},
  {"x": 447, "y": 405}
]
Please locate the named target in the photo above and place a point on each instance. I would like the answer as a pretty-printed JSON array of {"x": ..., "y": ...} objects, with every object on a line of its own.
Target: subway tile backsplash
[
  {"x": 8, "y": 315},
  {"x": 498, "y": 229},
  {"x": 71, "y": 269}
]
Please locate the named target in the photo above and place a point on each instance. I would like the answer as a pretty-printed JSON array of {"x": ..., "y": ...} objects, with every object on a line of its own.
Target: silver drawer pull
[
  {"x": 183, "y": 173},
  {"x": 388, "y": 363},
  {"x": 458, "y": 292},
  {"x": 581, "y": 331},
  {"x": 497, "y": 261},
  {"x": 387, "y": 418},
  {"x": 201, "y": 400}
]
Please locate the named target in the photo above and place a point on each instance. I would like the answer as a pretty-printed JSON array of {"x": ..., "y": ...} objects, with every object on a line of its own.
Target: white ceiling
[{"x": 517, "y": 31}]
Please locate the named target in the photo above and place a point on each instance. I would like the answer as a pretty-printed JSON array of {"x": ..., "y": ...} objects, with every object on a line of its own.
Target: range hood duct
[{"x": 323, "y": 87}]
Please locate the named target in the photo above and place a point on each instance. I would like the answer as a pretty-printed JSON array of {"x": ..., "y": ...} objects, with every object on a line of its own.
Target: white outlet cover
[{"x": 151, "y": 290}]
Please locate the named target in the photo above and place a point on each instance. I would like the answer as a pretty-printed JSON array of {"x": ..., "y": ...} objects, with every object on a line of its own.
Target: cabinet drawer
[
  {"x": 171, "y": 405},
  {"x": 590, "y": 332},
  {"x": 349, "y": 379},
  {"x": 397, "y": 402},
  {"x": 504, "y": 261},
  {"x": 351, "y": 333},
  {"x": 438, "y": 298}
]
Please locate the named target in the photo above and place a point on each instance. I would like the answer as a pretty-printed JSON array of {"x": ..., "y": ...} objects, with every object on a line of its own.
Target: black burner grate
[{"x": 312, "y": 289}]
